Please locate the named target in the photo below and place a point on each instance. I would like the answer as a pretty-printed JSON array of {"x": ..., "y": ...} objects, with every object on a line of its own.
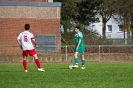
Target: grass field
[{"x": 59, "y": 76}]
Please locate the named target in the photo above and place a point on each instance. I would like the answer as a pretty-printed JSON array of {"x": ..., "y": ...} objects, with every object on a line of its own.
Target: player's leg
[
  {"x": 83, "y": 61},
  {"x": 25, "y": 54},
  {"x": 25, "y": 64},
  {"x": 82, "y": 50},
  {"x": 76, "y": 59},
  {"x": 37, "y": 62},
  {"x": 34, "y": 54}
]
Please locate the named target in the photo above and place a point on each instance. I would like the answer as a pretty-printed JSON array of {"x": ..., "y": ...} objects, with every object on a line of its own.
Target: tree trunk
[
  {"x": 104, "y": 30},
  {"x": 132, "y": 38},
  {"x": 65, "y": 31}
]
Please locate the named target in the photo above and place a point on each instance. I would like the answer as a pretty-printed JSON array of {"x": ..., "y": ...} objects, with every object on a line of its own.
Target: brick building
[{"x": 42, "y": 15}]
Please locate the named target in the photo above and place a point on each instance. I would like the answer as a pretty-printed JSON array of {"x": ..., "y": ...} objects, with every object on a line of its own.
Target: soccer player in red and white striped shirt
[{"x": 26, "y": 41}]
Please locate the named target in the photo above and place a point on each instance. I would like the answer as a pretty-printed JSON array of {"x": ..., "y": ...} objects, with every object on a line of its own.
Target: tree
[
  {"x": 87, "y": 11},
  {"x": 105, "y": 12},
  {"x": 124, "y": 10},
  {"x": 78, "y": 12},
  {"x": 68, "y": 11}
]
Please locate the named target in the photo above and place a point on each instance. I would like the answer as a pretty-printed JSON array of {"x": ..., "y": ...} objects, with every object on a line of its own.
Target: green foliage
[
  {"x": 59, "y": 76},
  {"x": 78, "y": 11},
  {"x": 69, "y": 38},
  {"x": 131, "y": 27},
  {"x": 91, "y": 37},
  {"x": 87, "y": 11},
  {"x": 68, "y": 11}
]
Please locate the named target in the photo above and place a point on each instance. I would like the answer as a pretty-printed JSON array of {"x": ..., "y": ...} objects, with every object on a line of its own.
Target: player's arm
[
  {"x": 19, "y": 42},
  {"x": 34, "y": 42},
  {"x": 78, "y": 43}
]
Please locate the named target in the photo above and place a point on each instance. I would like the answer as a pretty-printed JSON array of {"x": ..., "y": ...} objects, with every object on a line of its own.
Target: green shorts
[{"x": 81, "y": 50}]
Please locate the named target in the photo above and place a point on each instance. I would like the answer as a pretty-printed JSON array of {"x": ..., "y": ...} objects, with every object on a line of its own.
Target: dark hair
[
  {"x": 27, "y": 26},
  {"x": 77, "y": 27}
]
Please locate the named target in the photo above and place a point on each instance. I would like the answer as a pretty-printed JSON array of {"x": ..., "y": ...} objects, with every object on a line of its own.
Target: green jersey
[{"x": 81, "y": 48}]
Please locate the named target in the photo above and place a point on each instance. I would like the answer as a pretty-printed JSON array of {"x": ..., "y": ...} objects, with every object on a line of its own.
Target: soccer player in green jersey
[{"x": 79, "y": 47}]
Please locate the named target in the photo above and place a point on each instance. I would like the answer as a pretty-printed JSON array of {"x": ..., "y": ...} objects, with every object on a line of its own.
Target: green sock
[
  {"x": 83, "y": 62},
  {"x": 76, "y": 60}
]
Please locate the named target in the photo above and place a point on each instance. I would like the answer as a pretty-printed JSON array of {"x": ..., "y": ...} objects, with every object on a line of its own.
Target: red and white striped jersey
[{"x": 26, "y": 40}]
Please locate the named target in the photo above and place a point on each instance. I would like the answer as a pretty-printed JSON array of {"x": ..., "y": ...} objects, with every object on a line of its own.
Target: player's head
[
  {"x": 77, "y": 29},
  {"x": 27, "y": 26}
]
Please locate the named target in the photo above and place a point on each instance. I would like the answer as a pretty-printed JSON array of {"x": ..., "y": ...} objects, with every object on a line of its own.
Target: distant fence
[
  {"x": 120, "y": 41},
  {"x": 105, "y": 53},
  {"x": 93, "y": 53},
  {"x": 115, "y": 41}
]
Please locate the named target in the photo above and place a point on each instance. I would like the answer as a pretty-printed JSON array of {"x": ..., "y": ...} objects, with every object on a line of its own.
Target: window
[
  {"x": 109, "y": 28},
  {"x": 47, "y": 43},
  {"x": 120, "y": 28}
]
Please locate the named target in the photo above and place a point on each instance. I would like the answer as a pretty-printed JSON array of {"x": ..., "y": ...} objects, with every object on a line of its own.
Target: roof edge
[{"x": 41, "y": 4}]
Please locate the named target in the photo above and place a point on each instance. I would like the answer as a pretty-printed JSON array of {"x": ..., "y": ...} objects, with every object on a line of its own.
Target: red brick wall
[
  {"x": 43, "y": 20},
  {"x": 10, "y": 28},
  {"x": 27, "y": 0}
]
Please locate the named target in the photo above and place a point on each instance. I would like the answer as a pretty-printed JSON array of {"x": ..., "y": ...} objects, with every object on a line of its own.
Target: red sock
[
  {"x": 37, "y": 63},
  {"x": 25, "y": 64}
]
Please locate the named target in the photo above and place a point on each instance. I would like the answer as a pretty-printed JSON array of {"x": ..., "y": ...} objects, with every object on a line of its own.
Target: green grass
[{"x": 59, "y": 76}]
